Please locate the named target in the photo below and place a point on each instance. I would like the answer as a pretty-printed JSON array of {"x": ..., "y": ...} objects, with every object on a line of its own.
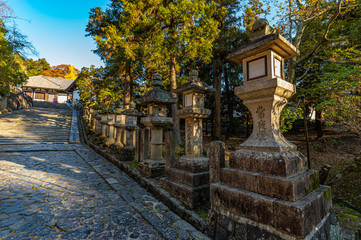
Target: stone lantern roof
[
  {"x": 264, "y": 38},
  {"x": 194, "y": 84},
  {"x": 131, "y": 111},
  {"x": 157, "y": 95}
]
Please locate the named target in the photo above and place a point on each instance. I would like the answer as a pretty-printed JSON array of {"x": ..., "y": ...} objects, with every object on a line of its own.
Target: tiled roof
[{"x": 48, "y": 82}]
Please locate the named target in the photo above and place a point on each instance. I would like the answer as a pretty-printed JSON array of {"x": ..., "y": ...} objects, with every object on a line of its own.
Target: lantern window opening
[
  {"x": 278, "y": 67},
  {"x": 257, "y": 68},
  {"x": 188, "y": 100}
]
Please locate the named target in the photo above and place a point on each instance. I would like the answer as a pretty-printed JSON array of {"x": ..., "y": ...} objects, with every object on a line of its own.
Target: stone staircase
[{"x": 36, "y": 126}]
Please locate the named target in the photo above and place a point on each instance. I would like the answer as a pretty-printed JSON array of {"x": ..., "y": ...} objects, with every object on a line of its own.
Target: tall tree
[
  {"x": 157, "y": 35},
  {"x": 185, "y": 33},
  {"x": 225, "y": 74}
]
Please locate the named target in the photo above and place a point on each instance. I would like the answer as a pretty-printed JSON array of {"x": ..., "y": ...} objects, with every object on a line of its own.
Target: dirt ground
[{"x": 337, "y": 150}]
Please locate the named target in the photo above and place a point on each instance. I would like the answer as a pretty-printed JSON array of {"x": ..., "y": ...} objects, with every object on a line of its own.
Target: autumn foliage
[{"x": 62, "y": 71}]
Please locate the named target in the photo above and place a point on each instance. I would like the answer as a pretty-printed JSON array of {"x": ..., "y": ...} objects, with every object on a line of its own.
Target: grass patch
[{"x": 133, "y": 164}]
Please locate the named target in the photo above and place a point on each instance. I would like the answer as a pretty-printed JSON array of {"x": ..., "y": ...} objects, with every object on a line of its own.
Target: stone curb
[
  {"x": 160, "y": 194},
  {"x": 74, "y": 130}
]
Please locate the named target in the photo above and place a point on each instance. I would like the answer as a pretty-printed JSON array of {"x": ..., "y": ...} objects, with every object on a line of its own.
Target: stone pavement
[
  {"x": 35, "y": 125},
  {"x": 67, "y": 191}
]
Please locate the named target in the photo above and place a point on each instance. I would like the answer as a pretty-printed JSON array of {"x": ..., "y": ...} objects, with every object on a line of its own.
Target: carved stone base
[
  {"x": 151, "y": 168},
  {"x": 287, "y": 220},
  {"x": 190, "y": 196},
  {"x": 110, "y": 141},
  {"x": 227, "y": 228},
  {"x": 188, "y": 181}
]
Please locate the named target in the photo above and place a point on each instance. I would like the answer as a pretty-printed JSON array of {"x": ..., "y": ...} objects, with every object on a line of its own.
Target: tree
[
  {"x": 62, "y": 71},
  {"x": 154, "y": 36},
  {"x": 36, "y": 67},
  {"x": 11, "y": 72},
  {"x": 12, "y": 45}
]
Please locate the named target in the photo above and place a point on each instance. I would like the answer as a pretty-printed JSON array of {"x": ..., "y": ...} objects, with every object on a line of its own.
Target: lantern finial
[{"x": 156, "y": 81}]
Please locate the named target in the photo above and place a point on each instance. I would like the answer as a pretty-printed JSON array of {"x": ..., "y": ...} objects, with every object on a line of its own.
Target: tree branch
[
  {"x": 324, "y": 37},
  {"x": 303, "y": 75},
  {"x": 338, "y": 61}
]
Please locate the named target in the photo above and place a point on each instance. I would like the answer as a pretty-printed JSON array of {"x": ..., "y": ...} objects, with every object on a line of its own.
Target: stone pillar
[
  {"x": 216, "y": 161},
  {"x": 188, "y": 178},
  {"x": 144, "y": 144},
  {"x": 194, "y": 135},
  {"x": 267, "y": 192},
  {"x": 110, "y": 135},
  {"x": 104, "y": 122},
  {"x": 98, "y": 126},
  {"x": 169, "y": 149},
  {"x": 157, "y": 101},
  {"x": 130, "y": 129}
]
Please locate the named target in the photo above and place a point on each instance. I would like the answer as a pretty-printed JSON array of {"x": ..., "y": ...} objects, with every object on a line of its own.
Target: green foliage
[
  {"x": 343, "y": 112},
  {"x": 11, "y": 71},
  {"x": 289, "y": 115},
  {"x": 137, "y": 39},
  {"x": 133, "y": 164},
  {"x": 36, "y": 67}
]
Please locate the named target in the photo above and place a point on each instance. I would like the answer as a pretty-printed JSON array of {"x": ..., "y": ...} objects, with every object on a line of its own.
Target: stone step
[
  {"x": 26, "y": 143},
  {"x": 33, "y": 138}
]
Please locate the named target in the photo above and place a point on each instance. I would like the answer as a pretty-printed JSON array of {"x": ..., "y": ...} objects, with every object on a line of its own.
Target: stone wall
[{"x": 15, "y": 102}]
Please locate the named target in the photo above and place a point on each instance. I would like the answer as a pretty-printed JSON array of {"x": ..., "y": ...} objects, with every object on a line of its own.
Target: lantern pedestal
[
  {"x": 188, "y": 177},
  {"x": 155, "y": 165},
  {"x": 119, "y": 125},
  {"x": 110, "y": 123},
  {"x": 157, "y": 101},
  {"x": 98, "y": 126},
  {"x": 267, "y": 192},
  {"x": 188, "y": 180},
  {"x": 104, "y": 122}
]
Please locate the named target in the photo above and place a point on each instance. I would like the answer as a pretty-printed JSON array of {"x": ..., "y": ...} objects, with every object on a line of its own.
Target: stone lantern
[
  {"x": 119, "y": 123},
  {"x": 104, "y": 122},
  {"x": 110, "y": 123},
  {"x": 96, "y": 127},
  {"x": 157, "y": 101},
  {"x": 188, "y": 178},
  {"x": 267, "y": 187},
  {"x": 131, "y": 125}
]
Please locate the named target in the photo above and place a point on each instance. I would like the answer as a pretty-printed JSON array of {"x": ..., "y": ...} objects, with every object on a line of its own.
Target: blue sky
[{"x": 56, "y": 28}]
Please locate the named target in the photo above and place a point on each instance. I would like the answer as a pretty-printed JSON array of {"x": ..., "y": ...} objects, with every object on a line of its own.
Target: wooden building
[{"x": 44, "y": 88}]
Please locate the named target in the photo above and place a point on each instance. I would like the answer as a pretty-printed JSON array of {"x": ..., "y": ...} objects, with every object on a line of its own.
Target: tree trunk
[
  {"x": 173, "y": 85},
  {"x": 127, "y": 84},
  {"x": 229, "y": 102},
  {"x": 217, "y": 84},
  {"x": 319, "y": 123}
]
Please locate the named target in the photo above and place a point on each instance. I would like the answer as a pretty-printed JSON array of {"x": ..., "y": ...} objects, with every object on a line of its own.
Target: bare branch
[
  {"x": 324, "y": 37},
  {"x": 303, "y": 75}
]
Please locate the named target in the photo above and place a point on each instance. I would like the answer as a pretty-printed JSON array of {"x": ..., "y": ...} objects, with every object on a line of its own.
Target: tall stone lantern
[
  {"x": 157, "y": 101},
  {"x": 267, "y": 188},
  {"x": 119, "y": 123},
  {"x": 110, "y": 122},
  {"x": 188, "y": 178},
  {"x": 131, "y": 126}
]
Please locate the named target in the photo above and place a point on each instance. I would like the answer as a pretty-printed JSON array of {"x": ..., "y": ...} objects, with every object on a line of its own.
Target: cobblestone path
[{"x": 67, "y": 191}]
